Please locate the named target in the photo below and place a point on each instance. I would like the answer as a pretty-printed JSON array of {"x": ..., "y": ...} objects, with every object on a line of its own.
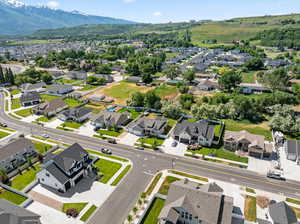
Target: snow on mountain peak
[{"x": 14, "y": 3}]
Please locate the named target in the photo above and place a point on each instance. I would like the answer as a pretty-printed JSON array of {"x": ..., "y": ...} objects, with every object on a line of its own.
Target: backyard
[
  {"x": 72, "y": 102},
  {"x": 133, "y": 112},
  {"x": 248, "y": 77},
  {"x": 107, "y": 168},
  {"x": 47, "y": 98}
]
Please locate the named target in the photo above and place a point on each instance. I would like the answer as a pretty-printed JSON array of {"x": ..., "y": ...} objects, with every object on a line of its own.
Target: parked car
[
  {"x": 174, "y": 144},
  {"x": 275, "y": 176},
  {"x": 106, "y": 151},
  {"x": 45, "y": 136},
  {"x": 139, "y": 148},
  {"x": 112, "y": 141},
  {"x": 3, "y": 125}
]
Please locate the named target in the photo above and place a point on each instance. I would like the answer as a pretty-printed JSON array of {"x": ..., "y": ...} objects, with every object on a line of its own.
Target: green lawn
[
  {"x": 26, "y": 178},
  {"x": 12, "y": 197},
  {"x": 217, "y": 130},
  {"x": 72, "y": 102},
  {"x": 3, "y": 134},
  {"x": 190, "y": 176},
  {"x": 171, "y": 55},
  {"x": 47, "y": 98},
  {"x": 15, "y": 104},
  {"x": 72, "y": 125},
  {"x": 153, "y": 184},
  {"x": 24, "y": 113},
  {"x": 250, "y": 209},
  {"x": 133, "y": 112},
  {"x": 248, "y": 77},
  {"x": 88, "y": 213},
  {"x": 110, "y": 133},
  {"x": 67, "y": 81},
  {"x": 88, "y": 87},
  {"x": 294, "y": 201},
  {"x": 151, "y": 216},
  {"x": 41, "y": 147},
  {"x": 77, "y": 206},
  {"x": 166, "y": 90},
  {"x": 250, "y": 190},
  {"x": 44, "y": 119},
  {"x": 108, "y": 169},
  {"x": 64, "y": 129},
  {"x": 15, "y": 92},
  {"x": 7, "y": 129},
  {"x": 150, "y": 141},
  {"x": 231, "y": 125},
  {"x": 221, "y": 153},
  {"x": 121, "y": 176},
  {"x": 105, "y": 155},
  {"x": 166, "y": 185}
]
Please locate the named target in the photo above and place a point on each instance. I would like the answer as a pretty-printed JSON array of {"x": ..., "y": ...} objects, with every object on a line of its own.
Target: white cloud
[
  {"x": 157, "y": 14},
  {"x": 129, "y": 1},
  {"x": 53, "y": 4}
]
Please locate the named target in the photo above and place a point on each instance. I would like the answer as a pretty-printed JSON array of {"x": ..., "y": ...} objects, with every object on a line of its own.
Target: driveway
[
  {"x": 179, "y": 150},
  {"x": 54, "y": 124},
  {"x": 87, "y": 129},
  {"x": 290, "y": 168},
  {"x": 30, "y": 118},
  {"x": 259, "y": 165},
  {"x": 50, "y": 215},
  {"x": 128, "y": 139}
]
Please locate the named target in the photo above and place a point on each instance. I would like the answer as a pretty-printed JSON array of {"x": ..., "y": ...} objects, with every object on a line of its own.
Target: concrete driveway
[
  {"x": 179, "y": 150},
  {"x": 54, "y": 124},
  {"x": 259, "y": 165},
  {"x": 128, "y": 139},
  {"x": 87, "y": 129}
]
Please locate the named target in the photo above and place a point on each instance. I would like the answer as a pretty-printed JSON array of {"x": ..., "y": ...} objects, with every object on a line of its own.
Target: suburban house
[
  {"x": 59, "y": 89},
  {"x": 30, "y": 98},
  {"x": 292, "y": 150},
  {"x": 148, "y": 127},
  {"x": 37, "y": 87},
  {"x": 281, "y": 213},
  {"x": 188, "y": 202},
  {"x": 244, "y": 141},
  {"x": 76, "y": 114},
  {"x": 77, "y": 75},
  {"x": 14, "y": 214},
  {"x": 50, "y": 108},
  {"x": 249, "y": 88},
  {"x": 106, "y": 77},
  {"x": 205, "y": 85},
  {"x": 66, "y": 169},
  {"x": 201, "y": 132},
  {"x": 108, "y": 119},
  {"x": 15, "y": 153},
  {"x": 134, "y": 79}
]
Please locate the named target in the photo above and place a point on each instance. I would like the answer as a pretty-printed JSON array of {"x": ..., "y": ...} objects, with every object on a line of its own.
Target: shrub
[{"x": 72, "y": 212}]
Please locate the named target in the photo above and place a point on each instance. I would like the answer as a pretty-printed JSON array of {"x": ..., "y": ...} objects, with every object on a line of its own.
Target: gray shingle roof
[
  {"x": 112, "y": 118},
  {"x": 14, "y": 147},
  {"x": 77, "y": 112},
  {"x": 30, "y": 96},
  {"x": 281, "y": 213},
  {"x": 52, "y": 105}
]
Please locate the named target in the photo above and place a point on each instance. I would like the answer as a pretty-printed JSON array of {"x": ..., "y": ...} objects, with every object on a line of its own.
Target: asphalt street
[{"x": 145, "y": 165}]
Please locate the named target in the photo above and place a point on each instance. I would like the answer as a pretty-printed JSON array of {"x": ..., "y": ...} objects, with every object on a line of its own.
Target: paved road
[{"x": 145, "y": 165}]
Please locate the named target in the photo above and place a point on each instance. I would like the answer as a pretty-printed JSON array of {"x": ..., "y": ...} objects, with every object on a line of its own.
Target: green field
[
  {"x": 248, "y": 77},
  {"x": 108, "y": 169},
  {"x": 166, "y": 90},
  {"x": 72, "y": 102},
  {"x": 153, "y": 211},
  {"x": 11, "y": 196},
  {"x": 26, "y": 178}
]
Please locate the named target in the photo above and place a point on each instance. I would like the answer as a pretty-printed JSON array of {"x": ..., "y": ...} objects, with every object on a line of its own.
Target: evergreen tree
[{"x": 2, "y": 79}]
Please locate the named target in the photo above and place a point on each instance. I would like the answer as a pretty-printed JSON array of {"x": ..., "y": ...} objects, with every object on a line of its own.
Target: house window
[
  {"x": 43, "y": 179},
  {"x": 47, "y": 174}
]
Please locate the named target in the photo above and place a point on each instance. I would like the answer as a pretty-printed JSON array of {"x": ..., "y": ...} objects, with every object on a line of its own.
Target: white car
[{"x": 45, "y": 136}]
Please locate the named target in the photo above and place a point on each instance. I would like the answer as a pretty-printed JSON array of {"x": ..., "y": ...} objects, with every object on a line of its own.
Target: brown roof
[
  {"x": 253, "y": 139},
  {"x": 52, "y": 105},
  {"x": 14, "y": 147}
]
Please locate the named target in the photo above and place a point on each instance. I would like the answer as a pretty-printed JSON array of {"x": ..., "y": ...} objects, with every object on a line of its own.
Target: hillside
[{"x": 16, "y": 18}]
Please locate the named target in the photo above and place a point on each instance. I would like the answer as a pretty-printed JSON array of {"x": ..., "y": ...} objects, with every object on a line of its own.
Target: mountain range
[{"x": 17, "y": 18}]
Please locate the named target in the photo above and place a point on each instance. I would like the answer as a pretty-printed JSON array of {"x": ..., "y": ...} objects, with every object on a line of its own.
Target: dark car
[
  {"x": 3, "y": 125},
  {"x": 112, "y": 141},
  {"x": 106, "y": 151},
  {"x": 174, "y": 144},
  {"x": 275, "y": 176},
  {"x": 139, "y": 148}
]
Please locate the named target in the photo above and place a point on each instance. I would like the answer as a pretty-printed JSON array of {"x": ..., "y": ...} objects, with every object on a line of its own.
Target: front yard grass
[
  {"x": 15, "y": 92},
  {"x": 105, "y": 155},
  {"x": 250, "y": 190},
  {"x": 3, "y": 134},
  {"x": 74, "y": 125},
  {"x": 150, "y": 141},
  {"x": 110, "y": 132},
  {"x": 24, "y": 113},
  {"x": 12, "y": 197},
  {"x": 108, "y": 169},
  {"x": 72, "y": 102},
  {"x": 41, "y": 147},
  {"x": 43, "y": 119},
  {"x": 15, "y": 104},
  {"x": 88, "y": 213},
  {"x": 121, "y": 176},
  {"x": 153, "y": 211},
  {"x": 221, "y": 153},
  {"x": 153, "y": 184},
  {"x": 231, "y": 125},
  {"x": 250, "y": 208},
  {"x": 26, "y": 178},
  {"x": 77, "y": 206},
  {"x": 164, "y": 188}
]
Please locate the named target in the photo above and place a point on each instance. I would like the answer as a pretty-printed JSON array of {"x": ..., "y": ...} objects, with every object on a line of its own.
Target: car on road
[
  {"x": 45, "y": 136},
  {"x": 106, "y": 151},
  {"x": 139, "y": 148},
  {"x": 174, "y": 144},
  {"x": 3, "y": 125},
  {"x": 112, "y": 141},
  {"x": 275, "y": 176}
]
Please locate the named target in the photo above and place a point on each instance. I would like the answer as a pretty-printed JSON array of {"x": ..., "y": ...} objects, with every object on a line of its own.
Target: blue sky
[{"x": 156, "y": 11}]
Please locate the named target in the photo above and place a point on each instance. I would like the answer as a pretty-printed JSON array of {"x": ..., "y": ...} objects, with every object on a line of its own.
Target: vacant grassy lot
[
  {"x": 221, "y": 153},
  {"x": 166, "y": 185},
  {"x": 3, "y": 134},
  {"x": 257, "y": 129},
  {"x": 24, "y": 113},
  {"x": 12, "y": 197},
  {"x": 250, "y": 209},
  {"x": 248, "y": 77},
  {"x": 166, "y": 91},
  {"x": 72, "y": 102},
  {"x": 15, "y": 104},
  {"x": 77, "y": 206},
  {"x": 153, "y": 212},
  {"x": 88, "y": 213},
  {"x": 26, "y": 178},
  {"x": 123, "y": 90},
  {"x": 108, "y": 169}
]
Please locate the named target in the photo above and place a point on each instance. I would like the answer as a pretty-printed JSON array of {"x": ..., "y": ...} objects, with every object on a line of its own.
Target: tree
[
  {"x": 229, "y": 81},
  {"x": 147, "y": 78},
  {"x": 189, "y": 75},
  {"x": 172, "y": 71},
  {"x": 2, "y": 78},
  {"x": 182, "y": 87},
  {"x": 136, "y": 100},
  {"x": 47, "y": 78},
  {"x": 129, "y": 218},
  {"x": 254, "y": 64},
  {"x": 151, "y": 100},
  {"x": 93, "y": 80},
  {"x": 154, "y": 145},
  {"x": 171, "y": 109},
  {"x": 277, "y": 79},
  {"x": 3, "y": 176}
]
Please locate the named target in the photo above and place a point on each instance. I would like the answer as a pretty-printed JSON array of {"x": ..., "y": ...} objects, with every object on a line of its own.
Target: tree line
[{"x": 6, "y": 76}]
